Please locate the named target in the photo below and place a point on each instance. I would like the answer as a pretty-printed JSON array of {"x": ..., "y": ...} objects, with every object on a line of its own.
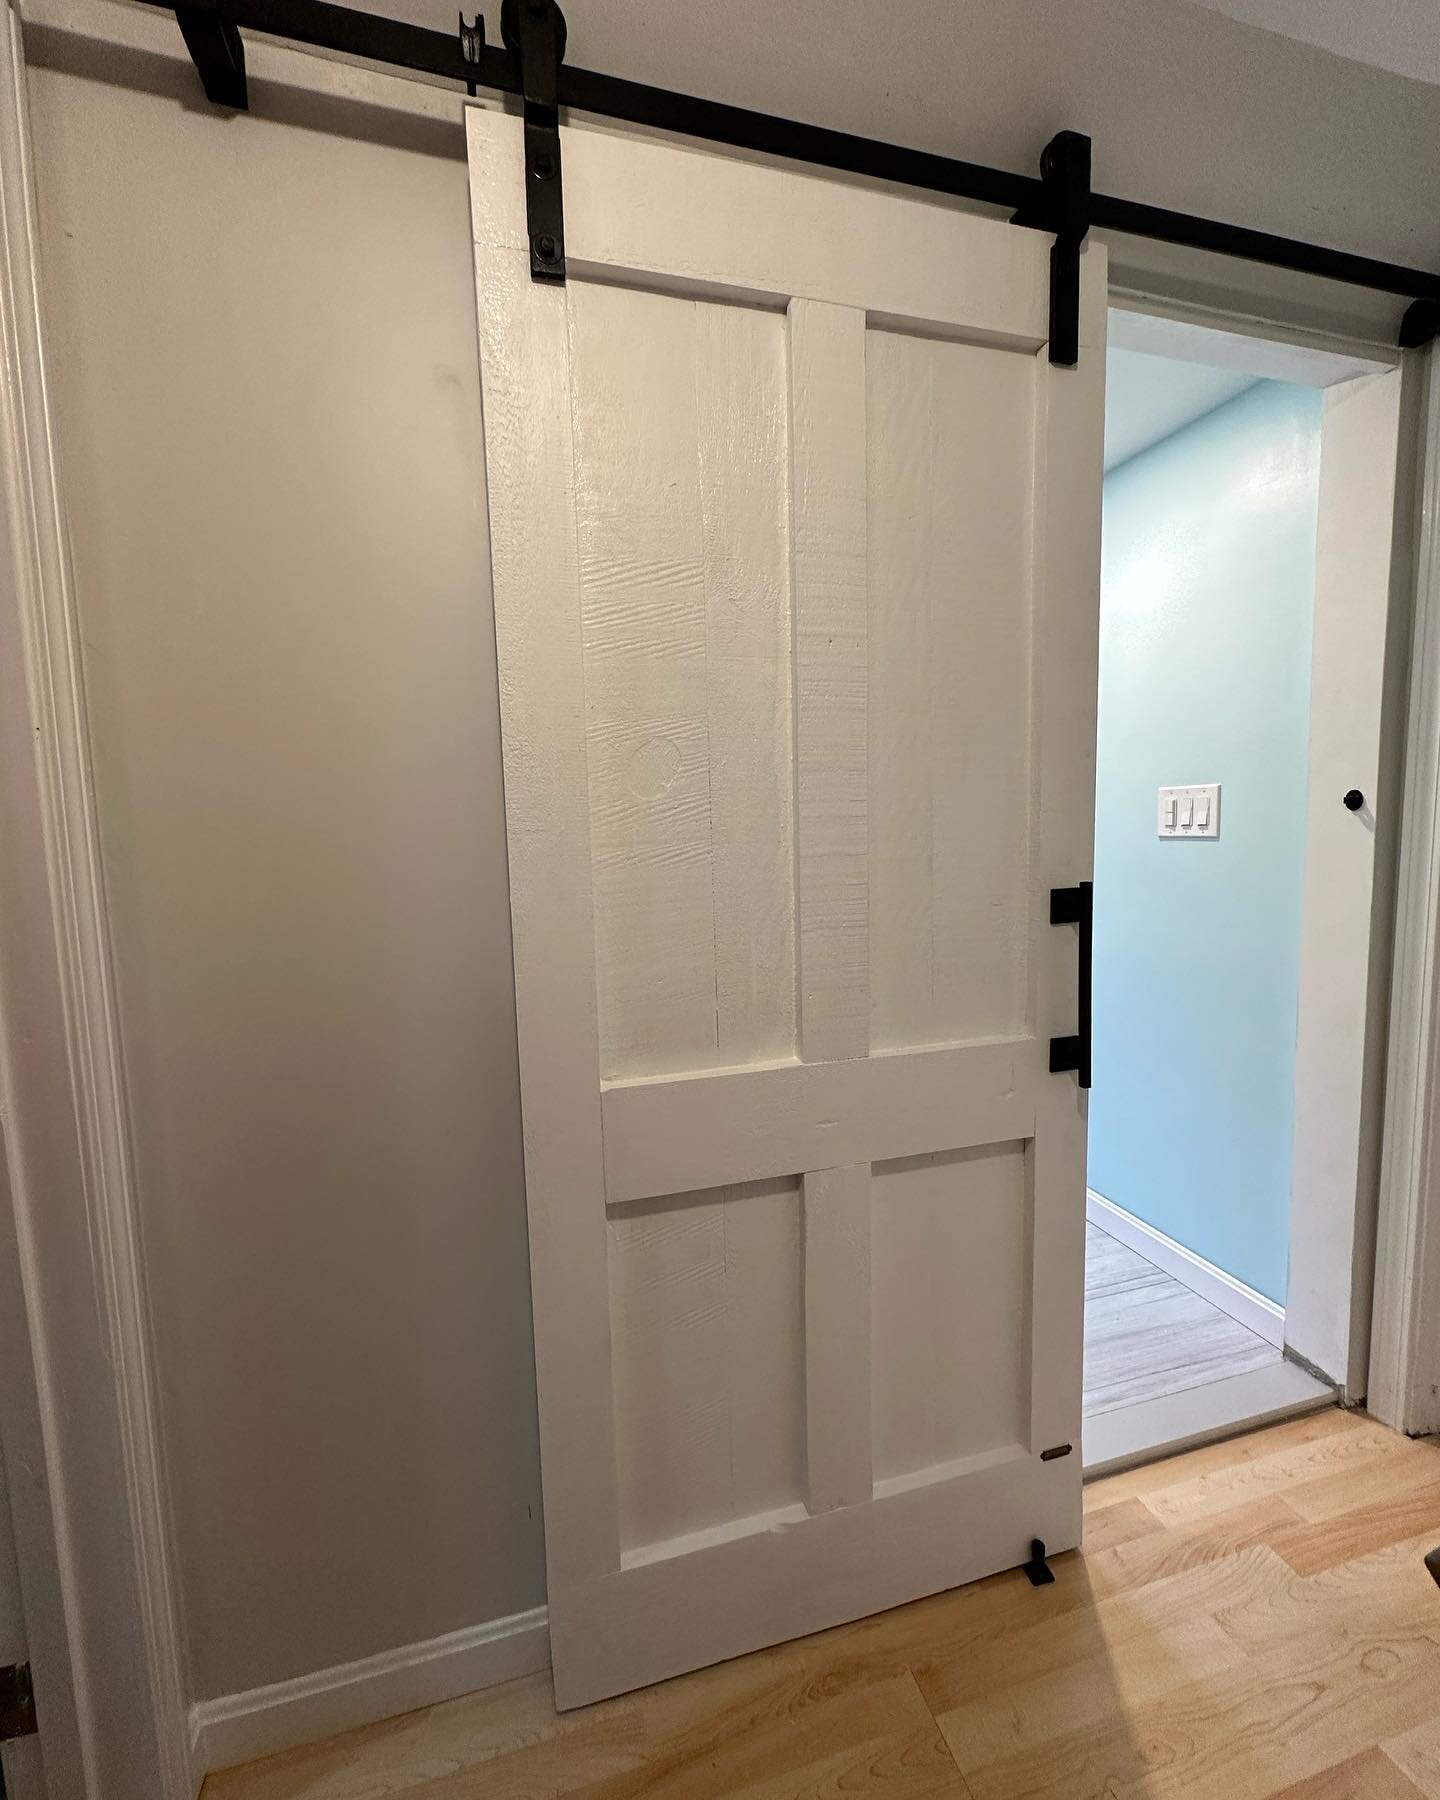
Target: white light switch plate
[{"x": 1190, "y": 812}]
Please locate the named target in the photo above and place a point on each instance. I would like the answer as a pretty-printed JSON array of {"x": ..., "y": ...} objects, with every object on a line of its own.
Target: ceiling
[
  {"x": 1149, "y": 397},
  {"x": 1399, "y": 35}
]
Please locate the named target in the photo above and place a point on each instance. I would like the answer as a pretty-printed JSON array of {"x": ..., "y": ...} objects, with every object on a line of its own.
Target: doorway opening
[{"x": 1248, "y": 520}]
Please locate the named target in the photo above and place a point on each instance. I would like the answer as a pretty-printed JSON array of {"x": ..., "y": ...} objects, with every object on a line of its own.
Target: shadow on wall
[
  {"x": 1207, "y": 606},
  {"x": 172, "y": 78}
]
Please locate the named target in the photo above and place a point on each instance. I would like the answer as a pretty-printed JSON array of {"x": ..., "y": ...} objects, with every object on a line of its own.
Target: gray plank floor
[{"x": 1146, "y": 1335}]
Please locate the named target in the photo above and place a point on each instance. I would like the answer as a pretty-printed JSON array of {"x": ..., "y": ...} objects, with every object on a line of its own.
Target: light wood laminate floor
[
  {"x": 1250, "y": 1621},
  {"x": 1147, "y": 1336}
]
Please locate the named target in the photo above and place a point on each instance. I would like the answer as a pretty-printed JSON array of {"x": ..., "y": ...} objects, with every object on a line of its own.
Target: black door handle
[{"x": 1076, "y": 906}]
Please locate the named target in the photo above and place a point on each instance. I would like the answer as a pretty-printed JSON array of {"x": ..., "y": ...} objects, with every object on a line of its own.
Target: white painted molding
[
  {"x": 1243, "y": 346},
  {"x": 265, "y": 1720},
  {"x": 1216, "y": 1409},
  {"x": 66, "y": 1129},
  {"x": 1404, "y": 1386},
  {"x": 1357, "y": 723},
  {"x": 1255, "y": 1311}
]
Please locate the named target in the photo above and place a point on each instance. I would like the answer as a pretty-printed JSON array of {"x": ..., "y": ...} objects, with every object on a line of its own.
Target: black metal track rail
[
  {"x": 1139, "y": 220},
  {"x": 424, "y": 51}
]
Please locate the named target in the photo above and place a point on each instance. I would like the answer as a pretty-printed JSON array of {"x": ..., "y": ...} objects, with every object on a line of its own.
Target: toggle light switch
[{"x": 1190, "y": 811}]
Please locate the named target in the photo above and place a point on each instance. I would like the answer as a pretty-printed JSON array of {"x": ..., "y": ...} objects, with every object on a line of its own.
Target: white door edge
[{"x": 1404, "y": 1391}]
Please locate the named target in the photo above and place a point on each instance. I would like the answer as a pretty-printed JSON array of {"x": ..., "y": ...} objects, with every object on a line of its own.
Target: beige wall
[
  {"x": 263, "y": 359},
  {"x": 263, "y": 349}
]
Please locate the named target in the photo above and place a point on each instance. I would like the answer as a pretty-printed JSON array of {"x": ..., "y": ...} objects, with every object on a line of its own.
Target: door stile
[
  {"x": 1070, "y": 438},
  {"x": 830, "y": 605},
  {"x": 525, "y": 352},
  {"x": 835, "y": 1205},
  {"x": 829, "y": 597}
]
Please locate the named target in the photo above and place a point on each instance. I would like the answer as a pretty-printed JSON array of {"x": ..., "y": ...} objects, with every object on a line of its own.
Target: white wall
[
  {"x": 267, "y": 404},
  {"x": 1395, "y": 34},
  {"x": 265, "y": 379}
]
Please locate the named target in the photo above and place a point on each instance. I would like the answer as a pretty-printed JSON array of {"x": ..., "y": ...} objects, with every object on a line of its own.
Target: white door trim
[
  {"x": 1404, "y": 1373},
  {"x": 1357, "y": 723},
  {"x": 121, "y": 1715},
  {"x": 1268, "y": 343}
]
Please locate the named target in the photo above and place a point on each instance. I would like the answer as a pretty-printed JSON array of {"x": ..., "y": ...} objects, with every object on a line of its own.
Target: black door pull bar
[{"x": 1076, "y": 906}]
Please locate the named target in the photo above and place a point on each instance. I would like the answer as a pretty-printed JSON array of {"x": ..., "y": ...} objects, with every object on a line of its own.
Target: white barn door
[{"x": 795, "y": 535}]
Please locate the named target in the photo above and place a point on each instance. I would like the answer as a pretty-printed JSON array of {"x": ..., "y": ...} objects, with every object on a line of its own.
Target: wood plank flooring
[
  {"x": 1146, "y": 1335},
  {"x": 1251, "y": 1621}
]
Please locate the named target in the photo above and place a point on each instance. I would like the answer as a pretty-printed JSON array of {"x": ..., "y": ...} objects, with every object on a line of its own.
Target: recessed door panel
[
  {"x": 681, "y": 487},
  {"x": 951, "y": 464}
]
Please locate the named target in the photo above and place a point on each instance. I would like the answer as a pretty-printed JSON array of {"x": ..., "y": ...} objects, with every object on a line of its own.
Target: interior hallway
[
  {"x": 1146, "y": 1335},
  {"x": 1252, "y": 1619}
]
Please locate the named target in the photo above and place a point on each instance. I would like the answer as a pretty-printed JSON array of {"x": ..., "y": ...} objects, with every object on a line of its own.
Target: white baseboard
[
  {"x": 1260, "y": 1314},
  {"x": 239, "y": 1727}
]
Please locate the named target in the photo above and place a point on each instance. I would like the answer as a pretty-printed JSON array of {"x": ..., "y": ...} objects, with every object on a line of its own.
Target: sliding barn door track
[{"x": 530, "y": 65}]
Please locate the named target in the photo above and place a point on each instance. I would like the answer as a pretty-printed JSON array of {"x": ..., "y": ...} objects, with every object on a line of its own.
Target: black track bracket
[
  {"x": 1037, "y": 1571},
  {"x": 217, "y": 51},
  {"x": 534, "y": 32},
  {"x": 1063, "y": 209},
  {"x": 1421, "y": 324}
]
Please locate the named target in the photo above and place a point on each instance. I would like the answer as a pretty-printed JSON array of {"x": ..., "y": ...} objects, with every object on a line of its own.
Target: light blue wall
[{"x": 1205, "y": 628}]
